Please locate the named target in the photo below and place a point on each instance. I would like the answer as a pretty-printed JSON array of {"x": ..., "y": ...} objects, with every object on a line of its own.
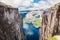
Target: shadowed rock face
[
  {"x": 10, "y": 24},
  {"x": 51, "y": 23}
]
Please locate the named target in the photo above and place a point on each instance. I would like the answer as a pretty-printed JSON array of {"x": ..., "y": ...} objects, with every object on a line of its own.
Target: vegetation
[
  {"x": 52, "y": 38},
  {"x": 37, "y": 22}
]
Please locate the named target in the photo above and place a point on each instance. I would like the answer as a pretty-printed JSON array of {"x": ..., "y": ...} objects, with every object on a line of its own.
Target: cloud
[
  {"x": 27, "y": 3},
  {"x": 37, "y": 6},
  {"x": 52, "y": 2},
  {"x": 30, "y": 5},
  {"x": 15, "y": 3},
  {"x": 25, "y": 26},
  {"x": 29, "y": 32},
  {"x": 18, "y": 3},
  {"x": 41, "y": 5}
]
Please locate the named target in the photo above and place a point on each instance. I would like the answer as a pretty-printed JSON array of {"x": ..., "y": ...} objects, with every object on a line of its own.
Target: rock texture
[
  {"x": 51, "y": 22},
  {"x": 10, "y": 23}
]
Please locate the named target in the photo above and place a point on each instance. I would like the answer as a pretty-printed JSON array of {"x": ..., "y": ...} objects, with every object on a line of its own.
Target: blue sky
[
  {"x": 31, "y": 4},
  {"x": 36, "y": 1}
]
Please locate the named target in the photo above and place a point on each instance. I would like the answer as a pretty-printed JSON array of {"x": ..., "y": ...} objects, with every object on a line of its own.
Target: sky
[{"x": 31, "y": 4}]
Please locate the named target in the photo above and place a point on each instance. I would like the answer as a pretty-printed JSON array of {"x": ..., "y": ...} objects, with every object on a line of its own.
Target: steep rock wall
[
  {"x": 51, "y": 23},
  {"x": 10, "y": 24}
]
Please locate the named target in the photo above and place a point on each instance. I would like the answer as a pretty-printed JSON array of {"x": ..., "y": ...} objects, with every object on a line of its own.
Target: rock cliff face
[
  {"x": 10, "y": 23},
  {"x": 51, "y": 23}
]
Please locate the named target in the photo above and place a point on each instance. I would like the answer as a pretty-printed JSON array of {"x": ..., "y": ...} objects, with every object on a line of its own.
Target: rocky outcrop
[
  {"x": 10, "y": 23},
  {"x": 51, "y": 23}
]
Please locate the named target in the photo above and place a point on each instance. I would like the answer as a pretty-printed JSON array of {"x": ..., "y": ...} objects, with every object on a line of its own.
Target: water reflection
[{"x": 30, "y": 31}]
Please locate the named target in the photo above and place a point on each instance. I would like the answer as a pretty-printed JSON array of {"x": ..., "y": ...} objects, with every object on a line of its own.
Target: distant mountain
[{"x": 24, "y": 12}]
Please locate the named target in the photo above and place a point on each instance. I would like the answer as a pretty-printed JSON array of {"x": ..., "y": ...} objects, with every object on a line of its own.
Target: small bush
[{"x": 52, "y": 38}]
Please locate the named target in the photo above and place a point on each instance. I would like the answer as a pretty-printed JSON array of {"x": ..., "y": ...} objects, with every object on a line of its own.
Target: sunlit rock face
[
  {"x": 51, "y": 23},
  {"x": 56, "y": 11},
  {"x": 10, "y": 23}
]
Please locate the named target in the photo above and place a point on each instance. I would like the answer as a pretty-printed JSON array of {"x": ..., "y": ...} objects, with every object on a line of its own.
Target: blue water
[{"x": 31, "y": 32}]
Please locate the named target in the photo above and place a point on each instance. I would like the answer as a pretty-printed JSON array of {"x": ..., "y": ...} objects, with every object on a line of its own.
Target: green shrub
[{"x": 52, "y": 38}]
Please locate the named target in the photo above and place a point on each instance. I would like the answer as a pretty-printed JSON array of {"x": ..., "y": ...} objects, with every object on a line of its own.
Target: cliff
[
  {"x": 10, "y": 23},
  {"x": 51, "y": 22}
]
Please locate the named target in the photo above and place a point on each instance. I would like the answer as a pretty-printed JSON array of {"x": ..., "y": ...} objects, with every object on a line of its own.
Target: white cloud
[
  {"x": 29, "y": 32},
  {"x": 23, "y": 4},
  {"x": 14, "y": 3},
  {"x": 18, "y": 3},
  {"x": 41, "y": 5},
  {"x": 27, "y": 3},
  {"x": 37, "y": 6},
  {"x": 25, "y": 26},
  {"x": 52, "y": 2}
]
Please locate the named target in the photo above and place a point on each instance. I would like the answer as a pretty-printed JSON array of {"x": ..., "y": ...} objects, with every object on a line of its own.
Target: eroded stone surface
[{"x": 10, "y": 23}]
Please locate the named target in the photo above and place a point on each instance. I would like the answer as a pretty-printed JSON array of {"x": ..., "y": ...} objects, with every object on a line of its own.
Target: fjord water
[{"x": 31, "y": 33}]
